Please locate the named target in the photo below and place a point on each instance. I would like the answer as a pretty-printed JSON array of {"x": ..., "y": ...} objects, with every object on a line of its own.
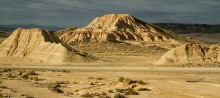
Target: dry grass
[
  {"x": 119, "y": 95},
  {"x": 131, "y": 91},
  {"x": 119, "y": 49},
  {"x": 55, "y": 87},
  {"x": 130, "y": 81},
  {"x": 144, "y": 89}
]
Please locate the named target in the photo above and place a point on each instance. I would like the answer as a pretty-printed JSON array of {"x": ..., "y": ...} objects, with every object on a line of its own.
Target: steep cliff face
[
  {"x": 37, "y": 45},
  {"x": 121, "y": 27}
]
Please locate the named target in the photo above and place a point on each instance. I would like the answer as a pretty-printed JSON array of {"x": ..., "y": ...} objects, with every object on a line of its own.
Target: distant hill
[
  {"x": 121, "y": 28},
  {"x": 13, "y": 27},
  {"x": 190, "y": 28}
]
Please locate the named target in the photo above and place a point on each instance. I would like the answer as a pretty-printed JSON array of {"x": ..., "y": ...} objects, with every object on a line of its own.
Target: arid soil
[{"x": 106, "y": 82}]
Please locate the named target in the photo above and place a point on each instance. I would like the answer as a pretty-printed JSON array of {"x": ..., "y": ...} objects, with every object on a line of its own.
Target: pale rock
[
  {"x": 191, "y": 53},
  {"x": 38, "y": 45},
  {"x": 120, "y": 27}
]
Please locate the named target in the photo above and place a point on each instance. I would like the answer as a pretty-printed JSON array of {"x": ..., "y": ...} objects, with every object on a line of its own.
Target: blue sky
[{"x": 66, "y": 13}]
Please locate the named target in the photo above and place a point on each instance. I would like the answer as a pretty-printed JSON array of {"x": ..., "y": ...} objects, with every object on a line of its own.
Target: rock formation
[
  {"x": 38, "y": 45},
  {"x": 191, "y": 53},
  {"x": 120, "y": 27},
  {"x": 58, "y": 33}
]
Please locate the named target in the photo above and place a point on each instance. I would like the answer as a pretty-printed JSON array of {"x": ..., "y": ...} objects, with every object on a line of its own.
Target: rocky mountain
[
  {"x": 121, "y": 27},
  {"x": 38, "y": 45},
  {"x": 190, "y": 28}
]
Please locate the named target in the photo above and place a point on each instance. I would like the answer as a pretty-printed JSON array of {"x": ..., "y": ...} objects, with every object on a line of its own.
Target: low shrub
[
  {"x": 86, "y": 95},
  {"x": 90, "y": 78},
  {"x": 140, "y": 82},
  {"x": 131, "y": 92},
  {"x": 5, "y": 70},
  {"x": 54, "y": 87},
  {"x": 100, "y": 79},
  {"x": 56, "y": 90},
  {"x": 30, "y": 72},
  {"x": 143, "y": 89},
  {"x": 130, "y": 81},
  {"x": 25, "y": 76},
  {"x": 77, "y": 90},
  {"x": 119, "y": 95},
  {"x": 121, "y": 79},
  {"x": 65, "y": 71},
  {"x": 110, "y": 91},
  {"x": 35, "y": 78},
  {"x": 91, "y": 83}
]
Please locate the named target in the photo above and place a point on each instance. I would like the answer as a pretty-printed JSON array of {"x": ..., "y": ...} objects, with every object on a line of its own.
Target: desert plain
[
  {"x": 115, "y": 56},
  {"x": 104, "y": 82}
]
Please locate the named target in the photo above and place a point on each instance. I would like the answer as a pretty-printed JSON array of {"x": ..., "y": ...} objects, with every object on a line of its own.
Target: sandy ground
[
  {"x": 103, "y": 61},
  {"x": 160, "y": 82}
]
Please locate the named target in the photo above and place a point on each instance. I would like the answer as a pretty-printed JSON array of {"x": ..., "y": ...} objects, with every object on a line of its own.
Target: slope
[
  {"x": 121, "y": 27},
  {"x": 38, "y": 45}
]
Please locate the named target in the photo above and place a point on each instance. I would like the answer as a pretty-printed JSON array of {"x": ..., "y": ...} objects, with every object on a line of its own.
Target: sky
[{"x": 79, "y": 13}]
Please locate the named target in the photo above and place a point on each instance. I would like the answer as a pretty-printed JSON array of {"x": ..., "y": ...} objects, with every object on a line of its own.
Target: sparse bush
[
  {"x": 91, "y": 83},
  {"x": 29, "y": 97},
  {"x": 110, "y": 91},
  {"x": 56, "y": 84},
  {"x": 104, "y": 96},
  {"x": 140, "y": 82},
  {"x": 143, "y": 89},
  {"x": 131, "y": 92},
  {"x": 56, "y": 90},
  {"x": 25, "y": 76},
  {"x": 3, "y": 87},
  {"x": 75, "y": 82},
  {"x": 119, "y": 95},
  {"x": 77, "y": 90},
  {"x": 90, "y": 78},
  {"x": 65, "y": 71},
  {"x": 100, "y": 95},
  {"x": 86, "y": 95},
  {"x": 35, "y": 78},
  {"x": 7, "y": 75},
  {"x": 54, "y": 87},
  {"x": 30, "y": 72},
  {"x": 19, "y": 73},
  {"x": 121, "y": 90},
  {"x": 5, "y": 70},
  {"x": 130, "y": 81},
  {"x": 121, "y": 79},
  {"x": 99, "y": 78}
]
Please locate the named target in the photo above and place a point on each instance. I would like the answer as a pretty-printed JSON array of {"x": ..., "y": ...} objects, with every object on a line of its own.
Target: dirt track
[{"x": 169, "y": 69}]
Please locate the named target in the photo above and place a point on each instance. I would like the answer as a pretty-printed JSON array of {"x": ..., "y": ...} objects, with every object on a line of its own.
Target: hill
[
  {"x": 121, "y": 27},
  {"x": 38, "y": 45},
  {"x": 190, "y": 28}
]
